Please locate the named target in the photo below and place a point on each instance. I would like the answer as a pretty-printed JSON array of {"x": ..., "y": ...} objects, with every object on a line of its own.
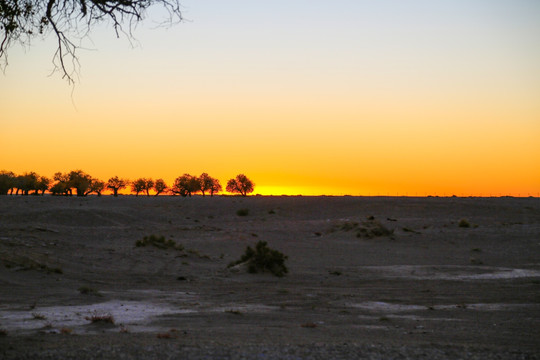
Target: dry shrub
[
  {"x": 158, "y": 241},
  {"x": 263, "y": 259},
  {"x": 105, "y": 319},
  {"x": 368, "y": 229},
  {"x": 464, "y": 223}
]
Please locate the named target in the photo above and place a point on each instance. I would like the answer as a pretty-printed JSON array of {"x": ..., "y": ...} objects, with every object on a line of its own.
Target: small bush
[
  {"x": 242, "y": 212},
  {"x": 464, "y": 223},
  {"x": 86, "y": 290},
  {"x": 158, "y": 241},
  {"x": 263, "y": 259}
]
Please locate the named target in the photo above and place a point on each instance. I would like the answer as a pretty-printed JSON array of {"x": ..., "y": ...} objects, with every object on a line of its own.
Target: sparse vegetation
[
  {"x": 263, "y": 259},
  {"x": 369, "y": 229},
  {"x": 158, "y": 241},
  {"x": 242, "y": 212},
  {"x": 21, "y": 262},
  {"x": 3, "y": 332},
  {"x": 464, "y": 223},
  {"x": 104, "y": 319},
  {"x": 86, "y": 290}
]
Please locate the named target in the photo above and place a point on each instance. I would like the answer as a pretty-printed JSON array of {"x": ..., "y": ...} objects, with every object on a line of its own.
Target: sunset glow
[{"x": 338, "y": 98}]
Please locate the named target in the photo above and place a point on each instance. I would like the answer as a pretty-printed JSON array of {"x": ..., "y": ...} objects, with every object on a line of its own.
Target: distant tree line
[{"x": 79, "y": 183}]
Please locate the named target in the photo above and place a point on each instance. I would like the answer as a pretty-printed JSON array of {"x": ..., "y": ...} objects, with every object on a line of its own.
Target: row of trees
[{"x": 83, "y": 184}]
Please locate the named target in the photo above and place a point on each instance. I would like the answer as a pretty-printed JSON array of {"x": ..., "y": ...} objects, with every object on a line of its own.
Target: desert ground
[{"x": 453, "y": 278}]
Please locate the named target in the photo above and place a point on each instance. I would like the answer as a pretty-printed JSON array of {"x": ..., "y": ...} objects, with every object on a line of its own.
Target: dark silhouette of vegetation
[
  {"x": 81, "y": 181},
  {"x": 160, "y": 186},
  {"x": 186, "y": 185},
  {"x": 7, "y": 182},
  {"x": 242, "y": 212},
  {"x": 69, "y": 21},
  {"x": 240, "y": 185},
  {"x": 208, "y": 183},
  {"x": 263, "y": 259},
  {"x": 115, "y": 184},
  {"x": 140, "y": 185},
  {"x": 158, "y": 241},
  {"x": 77, "y": 182}
]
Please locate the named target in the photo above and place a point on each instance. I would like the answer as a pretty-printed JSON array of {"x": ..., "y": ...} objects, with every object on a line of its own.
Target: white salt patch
[
  {"x": 123, "y": 312},
  {"x": 378, "y": 306},
  {"x": 455, "y": 273}
]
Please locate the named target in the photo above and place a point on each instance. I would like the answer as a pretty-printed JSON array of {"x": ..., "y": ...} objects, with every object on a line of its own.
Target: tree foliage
[
  {"x": 240, "y": 185},
  {"x": 70, "y": 21},
  {"x": 115, "y": 184},
  {"x": 160, "y": 186},
  {"x": 7, "y": 182},
  {"x": 138, "y": 186},
  {"x": 210, "y": 184},
  {"x": 186, "y": 185},
  {"x": 82, "y": 184}
]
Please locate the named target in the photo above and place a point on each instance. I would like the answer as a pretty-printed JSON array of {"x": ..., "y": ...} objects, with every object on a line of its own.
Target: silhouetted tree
[
  {"x": 27, "y": 182},
  {"x": 208, "y": 183},
  {"x": 216, "y": 187},
  {"x": 96, "y": 186},
  {"x": 43, "y": 183},
  {"x": 115, "y": 184},
  {"x": 69, "y": 21},
  {"x": 205, "y": 182},
  {"x": 7, "y": 181},
  {"x": 240, "y": 185},
  {"x": 185, "y": 185},
  {"x": 81, "y": 181},
  {"x": 160, "y": 186},
  {"x": 138, "y": 186},
  {"x": 62, "y": 186},
  {"x": 142, "y": 184}
]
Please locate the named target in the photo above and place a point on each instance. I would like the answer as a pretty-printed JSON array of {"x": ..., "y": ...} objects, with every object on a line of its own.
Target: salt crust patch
[
  {"x": 379, "y": 306},
  {"x": 456, "y": 273},
  {"x": 135, "y": 315}
]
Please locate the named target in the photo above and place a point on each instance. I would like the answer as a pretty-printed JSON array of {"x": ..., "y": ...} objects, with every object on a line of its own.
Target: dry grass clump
[
  {"x": 101, "y": 319},
  {"x": 24, "y": 262},
  {"x": 242, "y": 212},
  {"x": 86, "y": 290},
  {"x": 263, "y": 259},
  {"x": 464, "y": 223},
  {"x": 368, "y": 229},
  {"x": 158, "y": 241}
]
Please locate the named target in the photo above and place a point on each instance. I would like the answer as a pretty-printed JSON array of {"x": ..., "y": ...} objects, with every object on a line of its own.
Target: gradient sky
[{"x": 304, "y": 97}]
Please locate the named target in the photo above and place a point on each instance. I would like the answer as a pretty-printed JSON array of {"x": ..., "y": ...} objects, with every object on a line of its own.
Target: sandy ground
[{"x": 430, "y": 290}]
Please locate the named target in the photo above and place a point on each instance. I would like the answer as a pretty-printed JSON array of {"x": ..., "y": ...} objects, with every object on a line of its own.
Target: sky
[{"x": 313, "y": 97}]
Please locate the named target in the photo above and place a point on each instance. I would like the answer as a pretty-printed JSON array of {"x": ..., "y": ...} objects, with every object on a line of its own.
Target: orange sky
[{"x": 311, "y": 98}]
